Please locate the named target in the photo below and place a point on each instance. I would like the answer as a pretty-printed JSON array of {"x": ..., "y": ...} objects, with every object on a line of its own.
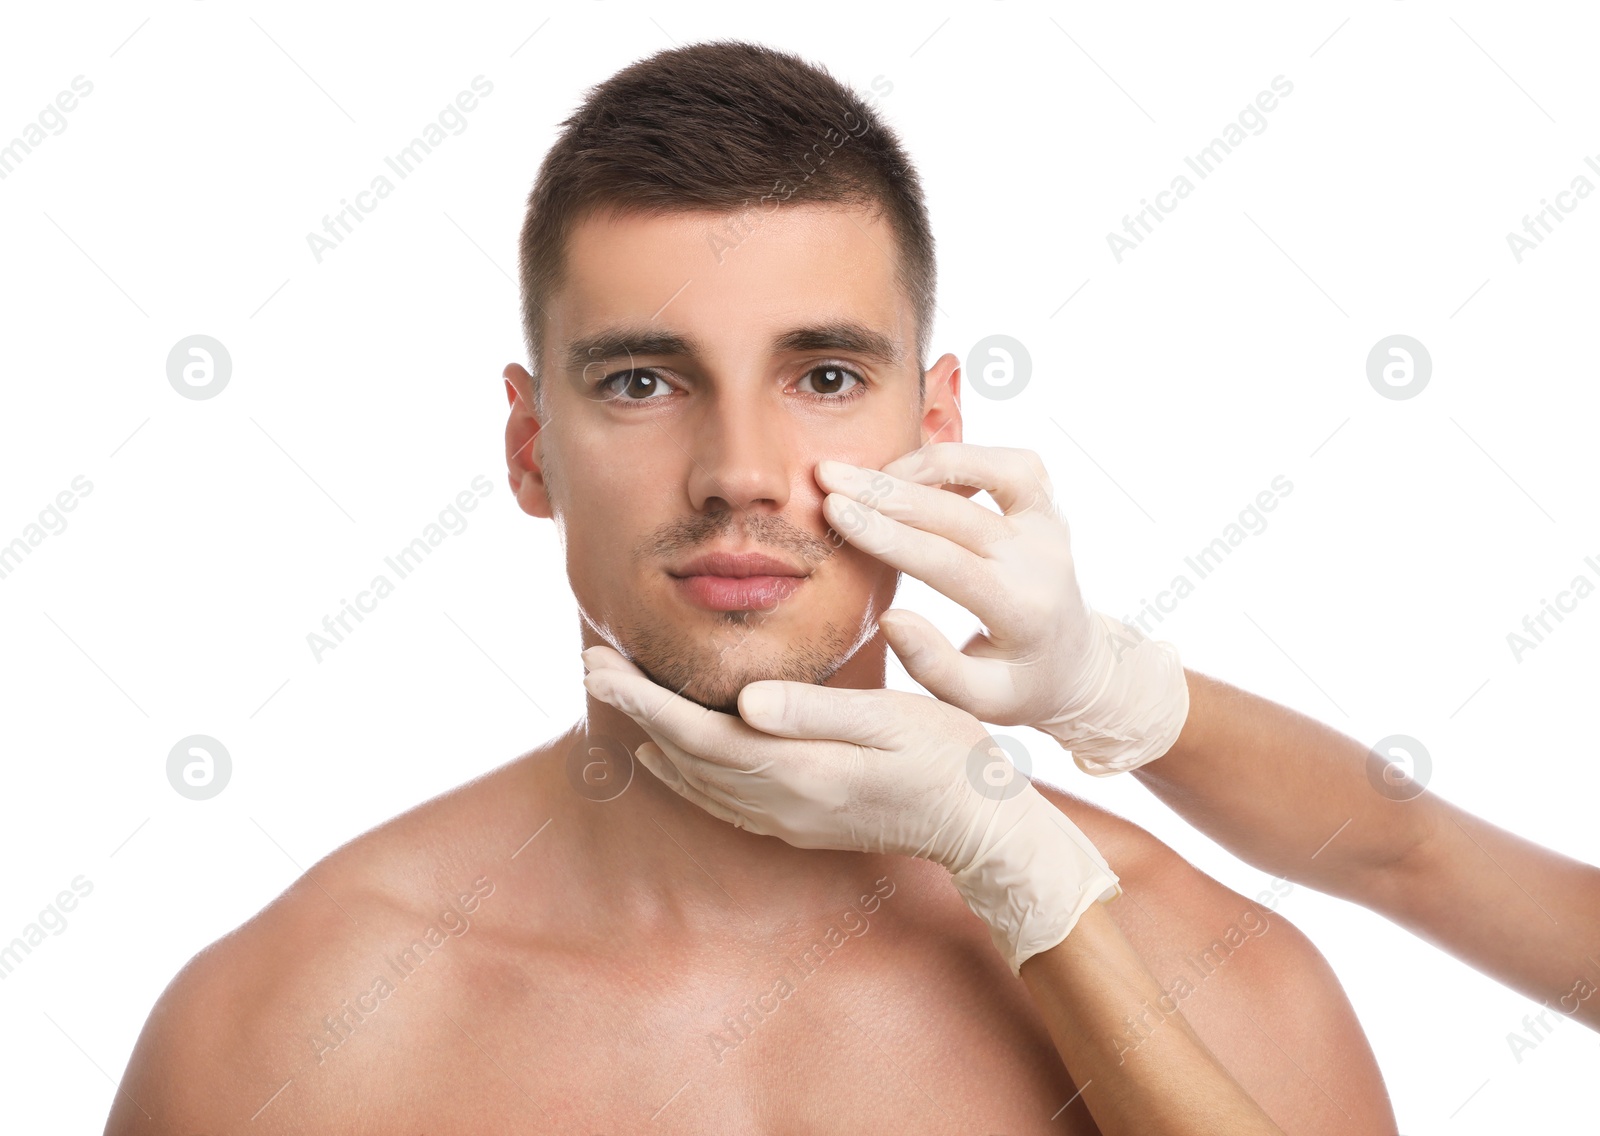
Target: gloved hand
[
  {"x": 873, "y": 771},
  {"x": 1116, "y": 698}
]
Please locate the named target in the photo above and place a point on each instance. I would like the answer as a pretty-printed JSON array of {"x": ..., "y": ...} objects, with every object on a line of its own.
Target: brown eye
[
  {"x": 632, "y": 385},
  {"x": 830, "y": 379}
]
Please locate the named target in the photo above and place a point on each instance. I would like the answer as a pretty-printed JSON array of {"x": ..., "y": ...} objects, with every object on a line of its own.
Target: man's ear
[
  {"x": 941, "y": 408},
  {"x": 522, "y": 430},
  {"x": 941, "y": 401}
]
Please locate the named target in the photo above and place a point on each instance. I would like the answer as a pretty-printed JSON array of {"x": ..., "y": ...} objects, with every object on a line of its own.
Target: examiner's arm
[
  {"x": 885, "y": 772},
  {"x": 1085, "y": 987},
  {"x": 1278, "y": 789},
  {"x": 1273, "y": 785}
]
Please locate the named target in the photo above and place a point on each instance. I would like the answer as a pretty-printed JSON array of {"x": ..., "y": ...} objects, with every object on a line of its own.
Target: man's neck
[{"x": 669, "y": 864}]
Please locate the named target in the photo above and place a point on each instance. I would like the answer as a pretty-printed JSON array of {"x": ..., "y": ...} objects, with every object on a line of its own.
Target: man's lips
[
  {"x": 738, "y": 581},
  {"x": 738, "y": 565}
]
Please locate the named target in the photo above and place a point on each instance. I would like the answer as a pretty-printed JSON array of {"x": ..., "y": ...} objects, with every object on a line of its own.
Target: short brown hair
[{"x": 724, "y": 126}]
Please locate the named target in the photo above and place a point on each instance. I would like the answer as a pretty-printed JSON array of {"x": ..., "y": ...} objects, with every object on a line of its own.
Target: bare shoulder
[
  {"x": 258, "y": 1031},
  {"x": 1256, "y": 990}
]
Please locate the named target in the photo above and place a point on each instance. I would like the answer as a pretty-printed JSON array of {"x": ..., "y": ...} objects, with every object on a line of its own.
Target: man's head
[{"x": 727, "y": 277}]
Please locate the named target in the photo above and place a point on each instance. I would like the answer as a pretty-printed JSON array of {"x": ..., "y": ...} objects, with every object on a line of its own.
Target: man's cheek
[{"x": 862, "y": 575}]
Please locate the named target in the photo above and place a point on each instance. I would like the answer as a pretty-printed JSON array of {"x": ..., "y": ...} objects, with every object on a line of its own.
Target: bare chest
[{"x": 900, "y": 1020}]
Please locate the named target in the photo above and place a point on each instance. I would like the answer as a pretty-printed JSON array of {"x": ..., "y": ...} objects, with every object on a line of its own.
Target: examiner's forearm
[
  {"x": 1274, "y": 786},
  {"x": 1294, "y": 797},
  {"x": 1167, "y": 1084}
]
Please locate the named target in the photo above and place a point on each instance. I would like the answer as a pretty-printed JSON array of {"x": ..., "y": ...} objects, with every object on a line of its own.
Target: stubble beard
[{"x": 710, "y": 670}]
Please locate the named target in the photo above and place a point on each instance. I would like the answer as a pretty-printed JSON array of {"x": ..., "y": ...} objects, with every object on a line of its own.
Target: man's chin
[
  {"x": 722, "y": 701},
  {"x": 713, "y": 679},
  {"x": 718, "y": 689}
]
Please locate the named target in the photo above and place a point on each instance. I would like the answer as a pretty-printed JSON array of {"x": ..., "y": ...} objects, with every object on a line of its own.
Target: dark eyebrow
[
  {"x": 617, "y": 342},
  {"x": 840, "y": 335}
]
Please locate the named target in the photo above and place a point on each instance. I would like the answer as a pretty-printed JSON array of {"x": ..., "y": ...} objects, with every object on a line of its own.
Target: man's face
[{"x": 686, "y": 405}]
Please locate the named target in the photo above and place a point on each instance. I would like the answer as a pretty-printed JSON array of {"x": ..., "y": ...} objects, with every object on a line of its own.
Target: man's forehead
[{"x": 797, "y": 278}]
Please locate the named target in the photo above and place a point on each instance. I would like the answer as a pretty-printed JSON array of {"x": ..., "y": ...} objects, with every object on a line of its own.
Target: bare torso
[
  {"x": 910, "y": 1024},
  {"x": 544, "y": 1000}
]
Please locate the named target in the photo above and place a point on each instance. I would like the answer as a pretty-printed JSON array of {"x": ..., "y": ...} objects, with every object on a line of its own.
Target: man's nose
[{"x": 740, "y": 454}]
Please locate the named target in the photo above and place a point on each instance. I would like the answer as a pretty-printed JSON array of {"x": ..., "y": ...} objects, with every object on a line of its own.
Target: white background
[{"x": 1173, "y": 387}]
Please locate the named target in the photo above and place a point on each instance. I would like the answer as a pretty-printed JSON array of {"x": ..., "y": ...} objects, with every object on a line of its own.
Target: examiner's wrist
[
  {"x": 1139, "y": 709},
  {"x": 1034, "y": 880}
]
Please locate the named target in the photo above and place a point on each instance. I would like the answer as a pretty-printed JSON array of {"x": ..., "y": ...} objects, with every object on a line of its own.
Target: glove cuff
[
  {"x": 1035, "y": 880},
  {"x": 1139, "y": 711}
]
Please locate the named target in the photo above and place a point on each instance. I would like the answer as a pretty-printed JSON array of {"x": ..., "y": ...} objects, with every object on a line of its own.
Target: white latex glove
[
  {"x": 873, "y": 771},
  {"x": 1113, "y": 696}
]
